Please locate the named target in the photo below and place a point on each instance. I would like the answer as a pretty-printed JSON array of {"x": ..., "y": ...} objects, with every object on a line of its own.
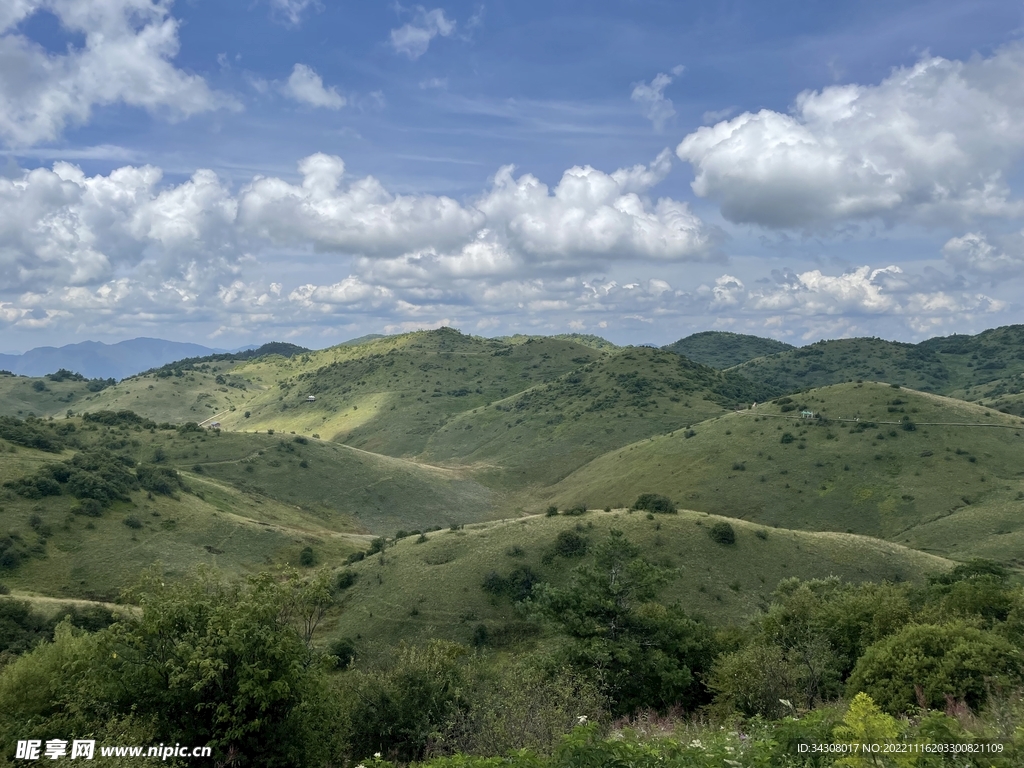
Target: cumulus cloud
[
  {"x": 975, "y": 254},
  {"x": 590, "y": 216},
  {"x": 918, "y": 301},
  {"x": 126, "y": 58},
  {"x": 657, "y": 107},
  {"x": 413, "y": 39},
  {"x": 930, "y": 142},
  {"x": 61, "y": 227},
  {"x": 70, "y": 241},
  {"x": 306, "y": 86}
]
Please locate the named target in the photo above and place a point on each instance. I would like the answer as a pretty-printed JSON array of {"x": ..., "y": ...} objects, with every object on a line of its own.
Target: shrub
[
  {"x": 722, "y": 533},
  {"x": 655, "y": 502},
  {"x": 344, "y": 651},
  {"x": 162, "y": 480},
  {"x": 307, "y": 557},
  {"x": 575, "y": 510},
  {"x": 355, "y": 557},
  {"x": 551, "y": 511},
  {"x": 933, "y": 662},
  {"x": 345, "y": 579},
  {"x": 133, "y": 522},
  {"x": 570, "y": 544},
  {"x": 787, "y": 437}
]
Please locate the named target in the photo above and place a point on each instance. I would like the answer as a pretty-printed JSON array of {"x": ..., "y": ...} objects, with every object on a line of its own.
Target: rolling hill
[
  {"x": 433, "y": 586},
  {"x": 51, "y": 547},
  {"x": 538, "y": 436},
  {"x": 920, "y": 469},
  {"x": 723, "y": 349},
  {"x": 985, "y": 367}
]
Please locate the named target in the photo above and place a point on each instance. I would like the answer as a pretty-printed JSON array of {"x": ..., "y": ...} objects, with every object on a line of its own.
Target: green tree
[
  {"x": 403, "y": 708},
  {"x": 931, "y": 662},
  {"x": 643, "y": 654},
  {"x": 221, "y": 665}
]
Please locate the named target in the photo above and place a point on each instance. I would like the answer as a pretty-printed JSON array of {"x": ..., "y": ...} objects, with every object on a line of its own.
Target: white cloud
[
  {"x": 889, "y": 292},
  {"x": 126, "y": 58},
  {"x": 974, "y": 253},
  {"x": 350, "y": 293},
  {"x": 434, "y": 82},
  {"x": 413, "y": 39},
  {"x": 306, "y": 86},
  {"x": 59, "y": 227},
  {"x": 589, "y": 216},
  {"x": 929, "y": 143},
  {"x": 358, "y": 217},
  {"x": 657, "y": 107},
  {"x": 292, "y": 10},
  {"x": 126, "y": 239}
]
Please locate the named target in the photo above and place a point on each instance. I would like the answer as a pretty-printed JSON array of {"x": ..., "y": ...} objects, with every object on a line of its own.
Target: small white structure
[
  {"x": 807, "y": 414},
  {"x": 311, "y": 399},
  {"x": 214, "y": 425}
]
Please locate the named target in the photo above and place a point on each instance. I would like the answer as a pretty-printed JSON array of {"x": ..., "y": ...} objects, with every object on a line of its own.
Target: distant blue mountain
[{"x": 96, "y": 360}]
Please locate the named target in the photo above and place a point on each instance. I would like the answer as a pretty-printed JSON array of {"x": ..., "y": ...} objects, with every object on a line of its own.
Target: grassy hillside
[
  {"x": 369, "y": 492},
  {"x": 841, "y": 360},
  {"x": 954, "y": 490},
  {"x": 433, "y": 588},
  {"x": 177, "y": 395},
  {"x": 538, "y": 436},
  {"x": 722, "y": 349},
  {"x": 982, "y": 367},
  {"x": 60, "y": 552},
  {"x": 22, "y": 396},
  {"x": 389, "y": 395}
]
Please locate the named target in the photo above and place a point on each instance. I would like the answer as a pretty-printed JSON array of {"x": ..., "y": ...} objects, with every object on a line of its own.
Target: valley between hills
[
  {"x": 435, "y": 546},
  {"x": 861, "y": 458}
]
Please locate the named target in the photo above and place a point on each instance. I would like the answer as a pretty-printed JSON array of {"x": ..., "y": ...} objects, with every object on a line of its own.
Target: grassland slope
[
  {"x": 948, "y": 479},
  {"x": 49, "y": 547},
  {"x": 433, "y": 586},
  {"x": 723, "y": 349},
  {"x": 389, "y": 396},
  {"x": 538, "y": 436}
]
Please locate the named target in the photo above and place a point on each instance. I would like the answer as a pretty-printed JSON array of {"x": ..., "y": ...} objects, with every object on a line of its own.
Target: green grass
[
  {"x": 21, "y": 396},
  {"x": 433, "y": 588},
  {"x": 985, "y": 366},
  {"x": 722, "y": 349},
  {"x": 194, "y": 396},
  {"x": 881, "y": 481},
  {"x": 94, "y": 558},
  {"x": 537, "y": 437}
]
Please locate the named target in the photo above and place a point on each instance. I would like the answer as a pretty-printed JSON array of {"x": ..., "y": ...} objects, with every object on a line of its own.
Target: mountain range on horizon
[{"x": 97, "y": 360}]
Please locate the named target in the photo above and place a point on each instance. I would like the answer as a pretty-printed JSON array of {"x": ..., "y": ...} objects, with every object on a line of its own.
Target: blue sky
[{"x": 235, "y": 172}]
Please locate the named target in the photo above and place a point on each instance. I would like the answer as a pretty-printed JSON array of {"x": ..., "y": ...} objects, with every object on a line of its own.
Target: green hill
[
  {"x": 948, "y": 481},
  {"x": 983, "y": 367},
  {"x": 841, "y": 360},
  {"x": 389, "y": 395},
  {"x": 536, "y": 437},
  {"x": 723, "y": 349},
  {"x": 51, "y": 547},
  {"x": 434, "y": 588},
  {"x": 22, "y": 396}
]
